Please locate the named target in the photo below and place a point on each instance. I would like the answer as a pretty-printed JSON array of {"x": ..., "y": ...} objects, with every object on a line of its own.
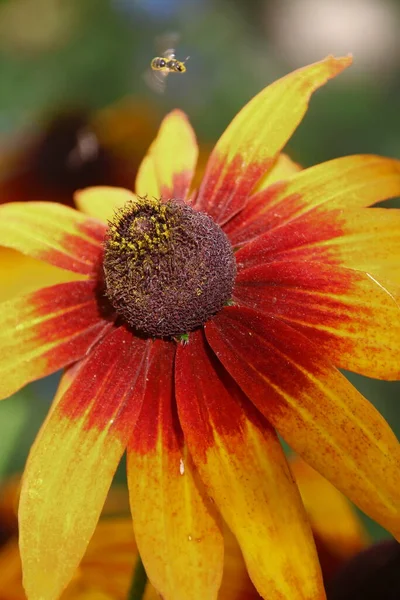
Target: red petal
[
  {"x": 111, "y": 383},
  {"x": 317, "y": 411},
  {"x": 242, "y": 463},
  {"x": 46, "y": 330},
  {"x": 175, "y": 523},
  {"x": 53, "y": 233},
  {"x": 73, "y": 460},
  {"x": 354, "y": 322}
]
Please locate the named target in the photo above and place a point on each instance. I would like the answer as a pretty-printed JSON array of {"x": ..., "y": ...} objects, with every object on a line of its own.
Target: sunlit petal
[
  {"x": 102, "y": 201},
  {"x": 168, "y": 168}
]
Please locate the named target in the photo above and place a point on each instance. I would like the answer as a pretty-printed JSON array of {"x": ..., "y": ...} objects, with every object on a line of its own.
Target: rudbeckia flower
[{"x": 203, "y": 324}]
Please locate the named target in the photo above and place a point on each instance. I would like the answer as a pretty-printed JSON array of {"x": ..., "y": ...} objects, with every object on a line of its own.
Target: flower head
[{"x": 189, "y": 352}]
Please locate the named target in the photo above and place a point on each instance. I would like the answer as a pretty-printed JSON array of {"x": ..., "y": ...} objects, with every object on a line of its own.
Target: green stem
[{"x": 139, "y": 580}]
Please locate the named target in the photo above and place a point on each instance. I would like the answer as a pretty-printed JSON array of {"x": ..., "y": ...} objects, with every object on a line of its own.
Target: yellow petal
[
  {"x": 101, "y": 202},
  {"x": 168, "y": 168}
]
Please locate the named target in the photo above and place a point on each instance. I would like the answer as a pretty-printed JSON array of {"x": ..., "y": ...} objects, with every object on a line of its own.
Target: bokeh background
[{"x": 75, "y": 110}]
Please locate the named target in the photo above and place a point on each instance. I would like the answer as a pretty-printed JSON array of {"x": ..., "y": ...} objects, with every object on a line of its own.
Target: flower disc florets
[{"x": 168, "y": 268}]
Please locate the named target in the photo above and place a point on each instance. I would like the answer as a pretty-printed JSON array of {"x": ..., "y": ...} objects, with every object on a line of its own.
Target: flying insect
[
  {"x": 161, "y": 66},
  {"x": 168, "y": 63}
]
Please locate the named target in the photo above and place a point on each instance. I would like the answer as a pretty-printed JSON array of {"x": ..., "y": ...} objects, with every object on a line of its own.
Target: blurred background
[{"x": 75, "y": 109}]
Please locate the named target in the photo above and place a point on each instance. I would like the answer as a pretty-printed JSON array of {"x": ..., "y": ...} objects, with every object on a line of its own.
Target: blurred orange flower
[{"x": 107, "y": 567}]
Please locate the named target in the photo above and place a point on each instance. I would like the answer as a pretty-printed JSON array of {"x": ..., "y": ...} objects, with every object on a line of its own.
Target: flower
[{"x": 194, "y": 396}]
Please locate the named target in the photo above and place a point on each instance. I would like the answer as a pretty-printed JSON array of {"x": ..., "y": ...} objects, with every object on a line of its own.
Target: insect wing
[
  {"x": 156, "y": 80},
  {"x": 170, "y": 53}
]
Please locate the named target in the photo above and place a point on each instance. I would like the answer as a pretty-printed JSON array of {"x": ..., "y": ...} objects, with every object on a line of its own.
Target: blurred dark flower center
[{"x": 168, "y": 268}]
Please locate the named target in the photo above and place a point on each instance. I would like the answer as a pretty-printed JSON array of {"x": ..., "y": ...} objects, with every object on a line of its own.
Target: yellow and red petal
[
  {"x": 168, "y": 168},
  {"x": 336, "y": 526},
  {"x": 363, "y": 239},
  {"x": 316, "y": 410},
  {"x": 46, "y": 330},
  {"x": 175, "y": 523},
  {"x": 283, "y": 168},
  {"x": 241, "y": 461},
  {"x": 349, "y": 182},
  {"x": 20, "y": 274},
  {"x": 354, "y": 322},
  {"x": 249, "y": 146},
  {"x": 53, "y": 233},
  {"x": 73, "y": 460},
  {"x": 101, "y": 202}
]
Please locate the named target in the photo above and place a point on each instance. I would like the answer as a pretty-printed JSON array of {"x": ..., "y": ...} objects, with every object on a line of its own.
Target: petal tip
[{"x": 339, "y": 63}]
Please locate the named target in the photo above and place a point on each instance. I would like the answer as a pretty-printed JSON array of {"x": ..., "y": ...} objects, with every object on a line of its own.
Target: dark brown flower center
[{"x": 168, "y": 268}]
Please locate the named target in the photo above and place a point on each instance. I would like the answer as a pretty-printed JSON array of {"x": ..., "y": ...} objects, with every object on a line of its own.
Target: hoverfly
[{"x": 161, "y": 66}]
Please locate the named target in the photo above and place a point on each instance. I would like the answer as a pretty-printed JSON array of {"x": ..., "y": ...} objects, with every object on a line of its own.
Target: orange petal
[
  {"x": 73, "y": 460},
  {"x": 344, "y": 183},
  {"x": 53, "y": 233},
  {"x": 175, "y": 524},
  {"x": 101, "y": 202},
  {"x": 316, "y": 410},
  {"x": 333, "y": 519},
  {"x": 354, "y": 322},
  {"x": 167, "y": 169},
  {"x": 248, "y": 147},
  {"x": 241, "y": 461},
  {"x": 236, "y": 583},
  {"x": 46, "y": 330}
]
